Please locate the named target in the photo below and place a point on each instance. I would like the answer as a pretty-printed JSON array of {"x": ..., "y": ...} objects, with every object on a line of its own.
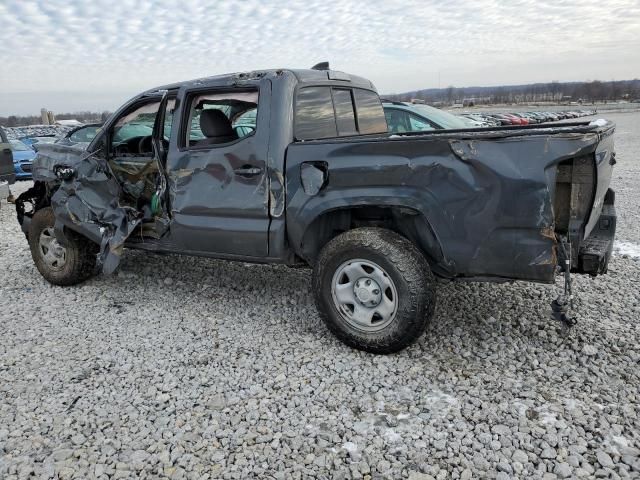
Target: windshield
[
  {"x": 442, "y": 118},
  {"x": 18, "y": 146}
]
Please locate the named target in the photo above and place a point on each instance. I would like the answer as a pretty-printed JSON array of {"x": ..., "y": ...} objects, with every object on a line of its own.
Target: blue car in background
[
  {"x": 34, "y": 141},
  {"x": 23, "y": 156}
]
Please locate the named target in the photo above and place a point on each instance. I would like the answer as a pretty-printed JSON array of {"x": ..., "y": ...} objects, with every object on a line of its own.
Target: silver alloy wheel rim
[
  {"x": 53, "y": 254},
  {"x": 364, "y": 294}
]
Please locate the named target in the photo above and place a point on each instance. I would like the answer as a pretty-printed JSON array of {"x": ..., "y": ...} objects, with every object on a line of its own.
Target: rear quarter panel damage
[{"x": 488, "y": 201}]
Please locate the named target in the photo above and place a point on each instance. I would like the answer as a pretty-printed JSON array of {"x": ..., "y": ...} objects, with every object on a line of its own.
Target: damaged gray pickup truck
[{"x": 296, "y": 167}]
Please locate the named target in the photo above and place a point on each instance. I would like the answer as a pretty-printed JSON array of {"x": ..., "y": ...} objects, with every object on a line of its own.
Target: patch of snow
[
  {"x": 615, "y": 444},
  {"x": 571, "y": 403},
  {"x": 350, "y": 447},
  {"x": 627, "y": 248},
  {"x": 547, "y": 418},
  {"x": 391, "y": 436},
  {"x": 520, "y": 408},
  {"x": 601, "y": 122},
  {"x": 440, "y": 402}
]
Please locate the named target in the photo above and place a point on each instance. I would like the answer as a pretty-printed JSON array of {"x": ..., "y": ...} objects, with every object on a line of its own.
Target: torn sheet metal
[
  {"x": 313, "y": 176},
  {"x": 487, "y": 201},
  {"x": 87, "y": 201}
]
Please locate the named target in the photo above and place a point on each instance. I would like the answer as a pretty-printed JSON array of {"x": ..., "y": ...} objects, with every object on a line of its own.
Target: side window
[
  {"x": 219, "y": 118},
  {"x": 245, "y": 123},
  {"x": 417, "y": 124},
  {"x": 371, "y": 117},
  {"x": 345, "y": 116},
  {"x": 314, "y": 114},
  {"x": 134, "y": 126},
  {"x": 397, "y": 120},
  {"x": 132, "y": 133}
]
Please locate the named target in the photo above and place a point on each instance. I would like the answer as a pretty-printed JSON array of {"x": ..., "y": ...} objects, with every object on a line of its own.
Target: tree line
[{"x": 554, "y": 92}]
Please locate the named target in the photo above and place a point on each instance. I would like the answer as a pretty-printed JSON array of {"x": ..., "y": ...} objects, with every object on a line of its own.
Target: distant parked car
[
  {"x": 80, "y": 136},
  {"x": 408, "y": 117},
  {"x": 517, "y": 120},
  {"x": 33, "y": 141},
  {"x": 539, "y": 116},
  {"x": 483, "y": 119},
  {"x": 523, "y": 118},
  {"x": 504, "y": 119},
  {"x": 23, "y": 157},
  {"x": 532, "y": 118}
]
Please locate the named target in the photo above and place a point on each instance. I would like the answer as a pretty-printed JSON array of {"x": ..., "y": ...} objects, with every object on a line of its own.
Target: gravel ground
[{"x": 195, "y": 368}]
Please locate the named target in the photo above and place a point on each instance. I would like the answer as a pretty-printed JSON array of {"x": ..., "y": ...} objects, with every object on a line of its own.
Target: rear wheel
[
  {"x": 60, "y": 264},
  {"x": 374, "y": 289}
]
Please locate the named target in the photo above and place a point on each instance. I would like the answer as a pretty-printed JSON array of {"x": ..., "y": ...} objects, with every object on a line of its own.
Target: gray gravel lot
[{"x": 196, "y": 368}]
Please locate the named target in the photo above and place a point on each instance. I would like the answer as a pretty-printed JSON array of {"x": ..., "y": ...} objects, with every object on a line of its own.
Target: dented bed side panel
[{"x": 487, "y": 201}]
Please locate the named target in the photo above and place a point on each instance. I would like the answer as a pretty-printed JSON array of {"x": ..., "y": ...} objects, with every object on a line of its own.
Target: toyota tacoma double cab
[{"x": 297, "y": 167}]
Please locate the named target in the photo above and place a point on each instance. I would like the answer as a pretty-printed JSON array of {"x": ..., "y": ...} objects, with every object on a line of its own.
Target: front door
[{"x": 217, "y": 172}]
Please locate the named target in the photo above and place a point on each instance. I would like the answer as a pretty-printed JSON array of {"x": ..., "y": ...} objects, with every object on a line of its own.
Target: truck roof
[{"x": 302, "y": 76}]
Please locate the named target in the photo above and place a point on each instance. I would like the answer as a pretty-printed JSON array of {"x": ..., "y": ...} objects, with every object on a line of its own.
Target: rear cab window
[{"x": 329, "y": 112}]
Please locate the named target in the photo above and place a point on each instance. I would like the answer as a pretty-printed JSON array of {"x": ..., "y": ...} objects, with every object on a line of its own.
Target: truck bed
[{"x": 483, "y": 203}]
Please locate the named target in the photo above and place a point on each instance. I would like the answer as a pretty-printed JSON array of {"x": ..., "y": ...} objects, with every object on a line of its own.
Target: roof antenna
[{"x": 321, "y": 66}]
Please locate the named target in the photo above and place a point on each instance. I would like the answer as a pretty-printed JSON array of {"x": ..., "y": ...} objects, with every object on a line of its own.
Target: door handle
[{"x": 248, "y": 171}]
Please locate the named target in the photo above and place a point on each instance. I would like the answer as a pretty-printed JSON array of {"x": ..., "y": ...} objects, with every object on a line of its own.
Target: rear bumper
[{"x": 595, "y": 250}]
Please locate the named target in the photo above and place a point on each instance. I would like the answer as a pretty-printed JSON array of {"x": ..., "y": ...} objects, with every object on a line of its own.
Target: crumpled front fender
[{"x": 87, "y": 202}]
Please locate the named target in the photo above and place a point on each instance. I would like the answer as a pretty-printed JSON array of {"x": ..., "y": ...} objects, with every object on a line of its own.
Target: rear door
[{"x": 217, "y": 171}]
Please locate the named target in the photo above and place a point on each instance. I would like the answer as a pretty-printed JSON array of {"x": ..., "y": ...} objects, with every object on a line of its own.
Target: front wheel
[
  {"x": 374, "y": 289},
  {"x": 59, "y": 264}
]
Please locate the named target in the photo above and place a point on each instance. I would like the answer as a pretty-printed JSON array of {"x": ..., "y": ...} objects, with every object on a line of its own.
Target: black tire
[
  {"x": 403, "y": 263},
  {"x": 80, "y": 254}
]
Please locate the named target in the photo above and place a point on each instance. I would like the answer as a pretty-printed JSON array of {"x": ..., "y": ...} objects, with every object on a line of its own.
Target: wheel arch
[{"x": 404, "y": 220}]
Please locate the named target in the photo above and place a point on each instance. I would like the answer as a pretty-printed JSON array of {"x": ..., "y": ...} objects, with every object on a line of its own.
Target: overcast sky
[{"x": 72, "y": 55}]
